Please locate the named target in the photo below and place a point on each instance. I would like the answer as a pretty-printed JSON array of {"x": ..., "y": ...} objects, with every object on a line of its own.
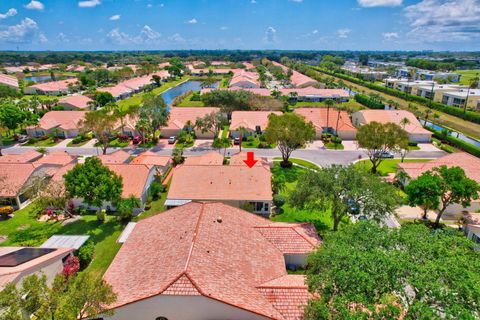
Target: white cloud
[
  {"x": 444, "y": 20},
  {"x": 115, "y": 17},
  {"x": 10, "y": 13},
  {"x": 147, "y": 35},
  {"x": 343, "y": 33},
  {"x": 35, "y": 5},
  {"x": 390, "y": 36},
  {"x": 192, "y": 21},
  {"x": 315, "y": 31},
  {"x": 24, "y": 32},
  {"x": 61, "y": 37},
  {"x": 177, "y": 38},
  {"x": 118, "y": 37},
  {"x": 379, "y": 3},
  {"x": 270, "y": 35},
  {"x": 223, "y": 28},
  {"x": 89, "y": 3},
  {"x": 149, "y": 5}
]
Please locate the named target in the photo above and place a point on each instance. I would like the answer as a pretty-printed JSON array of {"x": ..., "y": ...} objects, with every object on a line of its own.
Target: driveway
[
  {"x": 315, "y": 145},
  {"x": 428, "y": 147}
]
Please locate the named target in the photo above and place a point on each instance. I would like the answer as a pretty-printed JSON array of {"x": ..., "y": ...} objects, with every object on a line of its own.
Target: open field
[{"x": 468, "y": 75}]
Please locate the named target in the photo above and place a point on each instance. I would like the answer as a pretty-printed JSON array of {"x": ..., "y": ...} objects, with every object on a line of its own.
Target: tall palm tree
[
  {"x": 404, "y": 122},
  {"x": 428, "y": 112},
  {"x": 436, "y": 116},
  {"x": 243, "y": 131},
  {"x": 339, "y": 110},
  {"x": 329, "y": 103},
  {"x": 473, "y": 83}
]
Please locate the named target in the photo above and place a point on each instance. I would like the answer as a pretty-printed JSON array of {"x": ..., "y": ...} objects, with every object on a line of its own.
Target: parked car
[
  {"x": 22, "y": 138},
  {"x": 236, "y": 141},
  {"x": 172, "y": 140},
  {"x": 384, "y": 155}
]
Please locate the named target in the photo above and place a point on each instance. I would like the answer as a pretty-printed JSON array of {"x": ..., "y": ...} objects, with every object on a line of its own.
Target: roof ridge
[{"x": 197, "y": 226}]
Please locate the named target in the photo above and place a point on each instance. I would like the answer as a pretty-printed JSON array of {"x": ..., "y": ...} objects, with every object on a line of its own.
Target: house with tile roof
[
  {"x": 245, "y": 79},
  {"x": 252, "y": 121},
  {"x": 312, "y": 94},
  {"x": 414, "y": 128},
  {"x": 207, "y": 159},
  {"x": 238, "y": 159},
  {"x": 52, "y": 88},
  {"x": 63, "y": 124},
  {"x": 117, "y": 157},
  {"x": 153, "y": 160},
  {"x": 471, "y": 226},
  {"x": 469, "y": 163},
  {"x": 56, "y": 158},
  {"x": 9, "y": 81},
  {"x": 297, "y": 79},
  {"x": 26, "y": 157},
  {"x": 19, "y": 262},
  {"x": 238, "y": 186},
  {"x": 179, "y": 118},
  {"x": 75, "y": 102},
  {"x": 325, "y": 120},
  {"x": 220, "y": 261}
]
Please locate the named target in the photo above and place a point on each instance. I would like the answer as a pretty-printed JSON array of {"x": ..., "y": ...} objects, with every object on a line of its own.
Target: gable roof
[
  {"x": 60, "y": 158},
  {"x": 76, "y": 101},
  {"x": 134, "y": 178},
  {"x": 13, "y": 177},
  {"x": 117, "y": 157},
  {"x": 221, "y": 183},
  {"x": 202, "y": 249},
  {"x": 54, "y": 86},
  {"x": 151, "y": 159},
  {"x": 66, "y": 120},
  {"x": 210, "y": 158},
  {"x": 179, "y": 116},
  {"x": 9, "y": 80},
  {"x": 318, "y": 117},
  {"x": 251, "y": 119},
  {"x": 470, "y": 164},
  {"x": 238, "y": 160},
  {"x": 395, "y": 116},
  {"x": 25, "y": 157}
]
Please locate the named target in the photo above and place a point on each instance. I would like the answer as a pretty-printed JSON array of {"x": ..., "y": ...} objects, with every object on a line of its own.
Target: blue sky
[{"x": 240, "y": 24}]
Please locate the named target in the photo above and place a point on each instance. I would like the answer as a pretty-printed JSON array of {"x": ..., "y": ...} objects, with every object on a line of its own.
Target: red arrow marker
[{"x": 250, "y": 162}]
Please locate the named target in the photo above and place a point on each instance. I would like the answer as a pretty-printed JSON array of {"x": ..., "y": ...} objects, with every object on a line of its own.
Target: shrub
[
  {"x": 467, "y": 147},
  {"x": 412, "y": 143},
  {"x": 369, "y": 103},
  {"x": 85, "y": 254},
  {"x": 125, "y": 210},
  {"x": 262, "y": 145},
  {"x": 337, "y": 140},
  {"x": 155, "y": 189},
  {"x": 71, "y": 266},
  {"x": 32, "y": 140},
  {"x": 6, "y": 211},
  {"x": 279, "y": 200},
  {"x": 177, "y": 156},
  {"x": 101, "y": 215}
]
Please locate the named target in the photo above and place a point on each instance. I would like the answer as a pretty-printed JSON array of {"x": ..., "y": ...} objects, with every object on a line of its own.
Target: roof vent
[{"x": 219, "y": 219}]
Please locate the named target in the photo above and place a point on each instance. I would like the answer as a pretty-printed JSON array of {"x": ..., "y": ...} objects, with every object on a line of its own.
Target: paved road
[{"x": 319, "y": 157}]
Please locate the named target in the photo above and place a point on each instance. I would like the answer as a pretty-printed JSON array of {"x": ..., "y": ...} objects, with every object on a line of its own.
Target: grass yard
[
  {"x": 468, "y": 75},
  {"x": 50, "y": 142},
  {"x": 8, "y": 141},
  {"x": 71, "y": 144},
  {"x": 386, "y": 166},
  {"x": 333, "y": 146},
  {"x": 24, "y": 230},
  {"x": 320, "y": 219},
  {"x": 187, "y": 102},
  {"x": 254, "y": 142},
  {"x": 301, "y": 162},
  {"x": 225, "y": 132}
]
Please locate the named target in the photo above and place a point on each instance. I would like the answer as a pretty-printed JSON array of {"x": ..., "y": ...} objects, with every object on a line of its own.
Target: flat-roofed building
[
  {"x": 459, "y": 98},
  {"x": 436, "y": 91}
]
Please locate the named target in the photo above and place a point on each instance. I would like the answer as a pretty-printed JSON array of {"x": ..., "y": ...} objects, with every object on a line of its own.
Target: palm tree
[
  {"x": 473, "y": 83},
  {"x": 404, "y": 122},
  {"x": 390, "y": 103},
  {"x": 243, "y": 132},
  {"x": 329, "y": 103},
  {"x": 436, "y": 116},
  {"x": 427, "y": 114},
  {"x": 339, "y": 110}
]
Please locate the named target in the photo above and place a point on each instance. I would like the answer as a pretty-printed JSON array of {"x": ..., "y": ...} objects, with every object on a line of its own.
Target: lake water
[
  {"x": 452, "y": 133},
  {"x": 190, "y": 85},
  {"x": 44, "y": 78}
]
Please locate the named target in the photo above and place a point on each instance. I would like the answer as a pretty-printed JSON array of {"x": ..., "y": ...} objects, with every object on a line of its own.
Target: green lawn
[
  {"x": 115, "y": 143},
  {"x": 225, "y": 132},
  {"x": 187, "y": 102},
  {"x": 300, "y": 162},
  {"x": 24, "y": 230},
  {"x": 50, "y": 142},
  {"x": 7, "y": 141},
  {"x": 137, "y": 99},
  {"x": 71, "y": 144},
  {"x": 386, "y": 166},
  {"x": 351, "y": 104},
  {"x": 333, "y": 146},
  {"x": 468, "y": 75},
  {"x": 254, "y": 142}
]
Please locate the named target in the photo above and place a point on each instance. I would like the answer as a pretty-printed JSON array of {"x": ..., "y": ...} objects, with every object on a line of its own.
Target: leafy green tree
[
  {"x": 94, "y": 183},
  {"x": 127, "y": 206},
  {"x": 378, "y": 138},
  {"x": 103, "y": 123},
  {"x": 343, "y": 191},
  {"x": 103, "y": 98},
  {"x": 425, "y": 192},
  {"x": 154, "y": 112},
  {"x": 228, "y": 100},
  {"x": 11, "y": 116},
  {"x": 7, "y": 92},
  {"x": 157, "y": 80},
  {"x": 290, "y": 132},
  {"x": 370, "y": 272},
  {"x": 212, "y": 122},
  {"x": 176, "y": 67}
]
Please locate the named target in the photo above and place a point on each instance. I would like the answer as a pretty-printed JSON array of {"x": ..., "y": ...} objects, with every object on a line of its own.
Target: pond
[
  {"x": 190, "y": 85},
  {"x": 44, "y": 78},
  {"x": 452, "y": 133}
]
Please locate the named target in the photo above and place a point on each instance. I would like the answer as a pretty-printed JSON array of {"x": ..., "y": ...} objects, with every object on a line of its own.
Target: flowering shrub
[
  {"x": 6, "y": 211},
  {"x": 71, "y": 266}
]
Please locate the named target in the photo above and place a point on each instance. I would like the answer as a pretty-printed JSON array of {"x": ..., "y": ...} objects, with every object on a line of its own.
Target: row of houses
[
  {"x": 9, "y": 81},
  {"x": 428, "y": 75},
  {"x": 449, "y": 94}
]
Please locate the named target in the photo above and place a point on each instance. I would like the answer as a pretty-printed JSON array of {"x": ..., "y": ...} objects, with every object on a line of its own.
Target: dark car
[
  {"x": 384, "y": 155},
  {"x": 236, "y": 141},
  {"x": 22, "y": 138}
]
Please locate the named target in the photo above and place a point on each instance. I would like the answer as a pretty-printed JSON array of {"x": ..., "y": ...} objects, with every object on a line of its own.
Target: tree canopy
[
  {"x": 228, "y": 100},
  {"x": 370, "y": 272},
  {"x": 94, "y": 183},
  {"x": 102, "y": 123}
]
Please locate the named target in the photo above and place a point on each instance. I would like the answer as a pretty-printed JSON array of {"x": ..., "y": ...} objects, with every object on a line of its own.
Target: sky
[{"x": 452, "y": 25}]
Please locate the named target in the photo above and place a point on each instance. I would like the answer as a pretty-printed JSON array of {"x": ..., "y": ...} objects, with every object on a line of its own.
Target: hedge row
[
  {"x": 471, "y": 116},
  {"x": 368, "y": 102},
  {"x": 465, "y": 146}
]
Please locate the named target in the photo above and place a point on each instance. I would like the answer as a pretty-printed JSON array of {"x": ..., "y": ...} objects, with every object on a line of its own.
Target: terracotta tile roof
[
  {"x": 237, "y": 160},
  {"x": 201, "y": 248},
  {"x": 470, "y": 164},
  {"x": 8, "y": 80},
  {"x": 207, "y": 159},
  {"x": 179, "y": 116},
  {"x": 315, "y": 92},
  {"x": 395, "y": 116},
  {"x": 76, "y": 101},
  {"x": 244, "y": 76},
  {"x": 9, "y": 274},
  {"x": 291, "y": 238},
  {"x": 318, "y": 116},
  {"x": 221, "y": 183},
  {"x": 250, "y": 119},
  {"x": 54, "y": 86},
  {"x": 288, "y": 294},
  {"x": 260, "y": 91},
  {"x": 66, "y": 120},
  {"x": 134, "y": 178},
  {"x": 117, "y": 157},
  {"x": 25, "y": 157},
  {"x": 298, "y": 79},
  {"x": 151, "y": 159},
  {"x": 13, "y": 177},
  {"x": 472, "y": 218},
  {"x": 60, "y": 158}
]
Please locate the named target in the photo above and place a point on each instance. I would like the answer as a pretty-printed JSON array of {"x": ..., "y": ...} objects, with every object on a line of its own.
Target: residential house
[
  {"x": 436, "y": 91},
  {"x": 63, "y": 124},
  {"x": 56, "y": 158},
  {"x": 117, "y": 157},
  {"x": 252, "y": 121},
  {"x": 179, "y": 118},
  {"x": 258, "y": 91},
  {"x": 412, "y": 86},
  {"x": 208, "y": 159},
  {"x": 52, "y": 88},
  {"x": 26, "y": 157},
  {"x": 471, "y": 226},
  {"x": 392, "y": 82},
  {"x": 238, "y": 186},
  {"x": 204, "y": 261},
  {"x": 9, "y": 81},
  {"x": 19, "y": 262},
  {"x": 153, "y": 160},
  {"x": 325, "y": 120},
  {"x": 458, "y": 98},
  {"x": 312, "y": 94},
  {"x": 470, "y": 164},
  {"x": 297, "y": 79},
  {"x": 238, "y": 159},
  {"x": 245, "y": 79},
  {"x": 75, "y": 102},
  {"x": 415, "y": 130}
]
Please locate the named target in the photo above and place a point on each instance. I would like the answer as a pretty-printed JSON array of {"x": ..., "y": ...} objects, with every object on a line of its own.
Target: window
[{"x": 161, "y": 318}]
